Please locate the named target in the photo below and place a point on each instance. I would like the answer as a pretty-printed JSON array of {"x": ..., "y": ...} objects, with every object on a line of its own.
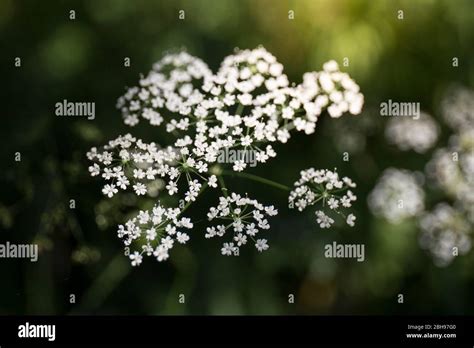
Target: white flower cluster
[
  {"x": 397, "y": 195},
  {"x": 169, "y": 88},
  {"x": 452, "y": 168},
  {"x": 245, "y": 217},
  {"x": 458, "y": 108},
  {"x": 324, "y": 187},
  {"x": 128, "y": 162},
  {"x": 445, "y": 233},
  {"x": 332, "y": 89},
  {"x": 122, "y": 160},
  {"x": 412, "y": 134},
  {"x": 246, "y": 105},
  {"x": 156, "y": 231}
]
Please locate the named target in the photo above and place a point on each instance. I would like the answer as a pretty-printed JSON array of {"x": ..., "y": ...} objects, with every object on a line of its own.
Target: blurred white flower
[
  {"x": 397, "y": 195},
  {"x": 452, "y": 168},
  {"x": 261, "y": 245},
  {"x": 351, "y": 220},
  {"x": 458, "y": 108},
  {"x": 408, "y": 133},
  {"x": 136, "y": 258},
  {"x": 445, "y": 233}
]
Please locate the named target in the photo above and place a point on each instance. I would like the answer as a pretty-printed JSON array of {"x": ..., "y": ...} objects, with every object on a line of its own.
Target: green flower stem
[
  {"x": 108, "y": 280},
  {"x": 258, "y": 179},
  {"x": 239, "y": 110},
  {"x": 223, "y": 187}
]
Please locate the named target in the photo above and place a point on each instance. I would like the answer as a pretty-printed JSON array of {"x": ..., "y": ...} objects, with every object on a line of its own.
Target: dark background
[{"x": 82, "y": 60}]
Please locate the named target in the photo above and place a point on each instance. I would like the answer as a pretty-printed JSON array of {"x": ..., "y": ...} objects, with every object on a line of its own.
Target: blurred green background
[{"x": 82, "y": 60}]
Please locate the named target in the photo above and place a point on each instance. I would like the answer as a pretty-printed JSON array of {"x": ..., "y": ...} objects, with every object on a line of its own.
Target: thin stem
[
  {"x": 317, "y": 200},
  {"x": 223, "y": 187},
  {"x": 290, "y": 126},
  {"x": 112, "y": 275},
  {"x": 239, "y": 110},
  {"x": 258, "y": 179}
]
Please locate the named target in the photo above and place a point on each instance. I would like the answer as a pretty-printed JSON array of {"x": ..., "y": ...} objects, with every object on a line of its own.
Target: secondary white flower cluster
[
  {"x": 446, "y": 230},
  {"x": 169, "y": 88},
  {"x": 156, "y": 231},
  {"x": 248, "y": 104},
  {"x": 412, "y": 134},
  {"x": 445, "y": 233},
  {"x": 397, "y": 195},
  {"x": 458, "y": 108},
  {"x": 452, "y": 168},
  {"x": 123, "y": 160},
  {"x": 128, "y": 162},
  {"x": 326, "y": 188},
  {"x": 245, "y": 217},
  {"x": 333, "y": 89}
]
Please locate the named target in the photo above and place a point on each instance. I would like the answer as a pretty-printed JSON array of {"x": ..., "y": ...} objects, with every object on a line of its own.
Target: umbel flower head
[
  {"x": 445, "y": 233},
  {"x": 452, "y": 168},
  {"x": 157, "y": 231},
  {"x": 331, "y": 193},
  {"x": 246, "y": 106},
  {"x": 419, "y": 134},
  {"x": 445, "y": 230},
  {"x": 397, "y": 195},
  {"x": 245, "y": 217}
]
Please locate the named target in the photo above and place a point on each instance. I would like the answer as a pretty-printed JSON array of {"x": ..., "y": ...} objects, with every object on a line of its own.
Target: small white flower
[
  {"x": 271, "y": 211},
  {"x": 241, "y": 239},
  {"x": 140, "y": 189},
  {"x": 122, "y": 182},
  {"x": 261, "y": 245},
  {"x": 138, "y": 174},
  {"x": 136, "y": 258},
  {"x": 323, "y": 220},
  {"x": 151, "y": 234},
  {"x": 167, "y": 242},
  {"x": 212, "y": 181},
  {"x": 182, "y": 237},
  {"x": 172, "y": 188},
  {"x": 350, "y": 220},
  {"x": 246, "y": 140},
  {"x": 109, "y": 190},
  {"x": 346, "y": 202},
  {"x": 161, "y": 253},
  {"x": 333, "y": 203},
  {"x": 228, "y": 249},
  {"x": 170, "y": 229},
  {"x": 94, "y": 169},
  {"x": 239, "y": 165}
]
